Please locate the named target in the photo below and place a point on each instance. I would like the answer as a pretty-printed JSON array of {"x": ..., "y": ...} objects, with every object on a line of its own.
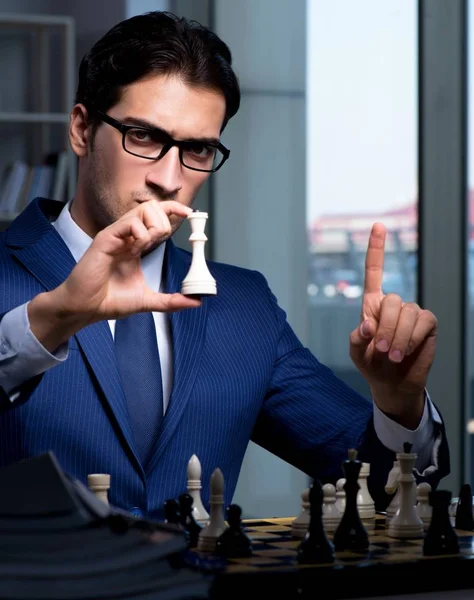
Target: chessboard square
[
  {"x": 256, "y": 560},
  {"x": 234, "y": 568},
  {"x": 271, "y": 552},
  {"x": 293, "y": 544},
  {"x": 262, "y": 535},
  {"x": 274, "y": 528}
]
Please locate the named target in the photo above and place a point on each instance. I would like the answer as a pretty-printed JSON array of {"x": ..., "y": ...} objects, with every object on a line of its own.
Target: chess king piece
[
  {"x": 315, "y": 547},
  {"x": 299, "y": 526},
  {"x": 99, "y": 483},
  {"x": 406, "y": 523},
  {"x": 198, "y": 281},
  {"x": 194, "y": 489},
  {"x": 234, "y": 542},
  {"x": 351, "y": 533},
  {"x": 441, "y": 538}
]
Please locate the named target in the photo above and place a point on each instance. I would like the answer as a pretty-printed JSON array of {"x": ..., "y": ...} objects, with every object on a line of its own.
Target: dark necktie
[{"x": 139, "y": 364}]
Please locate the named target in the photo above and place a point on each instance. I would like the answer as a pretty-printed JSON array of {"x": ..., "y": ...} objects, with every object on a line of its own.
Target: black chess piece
[
  {"x": 315, "y": 546},
  {"x": 464, "y": 517},
  {"x": 191, "y": 526},
  {"x": 234, "y": 542},
  {"x": 351, "y": 533},
  {"x": 441, "y": 538},
  {"x": 172, "y": 512}
]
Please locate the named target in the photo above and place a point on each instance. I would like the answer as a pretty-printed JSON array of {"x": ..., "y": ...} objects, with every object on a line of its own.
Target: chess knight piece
[{"x": 198, "y": 281}]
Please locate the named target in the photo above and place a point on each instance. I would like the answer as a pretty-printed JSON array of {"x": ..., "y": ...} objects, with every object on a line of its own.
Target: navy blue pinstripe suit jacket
[{"x": 240, "y": 373}]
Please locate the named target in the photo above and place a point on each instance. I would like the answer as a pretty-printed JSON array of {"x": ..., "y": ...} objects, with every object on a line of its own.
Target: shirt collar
[{"x": 78, "y": 242}]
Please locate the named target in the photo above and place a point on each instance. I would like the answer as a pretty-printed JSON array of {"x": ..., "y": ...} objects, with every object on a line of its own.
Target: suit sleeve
[{"x": 310, "y": 418}]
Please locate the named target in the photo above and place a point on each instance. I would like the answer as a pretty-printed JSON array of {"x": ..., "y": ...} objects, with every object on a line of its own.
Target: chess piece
[
  {"x": 464, "y": 519},
  {"x": 441, "y": 538},
  {"x": 172, "y": 512},
  {"x": 299, "y": 526},
  {"x": 190, "y": 525},
  {"x": 216, "y": 526},
  {"x": 406, "y": 523},
  {"x": 233, "y": 542},
  {"x": 199, "y": 280},
  {"x": 351, "y": 533},
  {"x": 331, "y": 516},
  {"x": 315, "y": 547},
  {"x": 423, "y": 507},
  {"x": 340, "y": 495},
  {"x": 194, "y": 489},
  {"x": 392, "y": 488},
  {"x": 365, "y": 502},
  {"x": 99, "y": 483}
]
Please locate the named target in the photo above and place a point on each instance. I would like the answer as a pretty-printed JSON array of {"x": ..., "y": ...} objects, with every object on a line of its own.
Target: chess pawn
[
  {"x": 331, "y": 516},
  {"x": 216, "y": 525},
  {"x": 340, "y": 495},
  {"x": 392, "y": 487},
  {"x": 172, "y": 512},
  {"x": 194, "y": 489},
  {"x": 441, "y": 538},
  {"x": 463, "y": 517},
  {"x": 199, "y": 280},
  {"x": 406, "y": 523},
  {"x": 351, "y": 533},
  {"x": 99, "y": 483},
  {"x": 365, "y": 503},
  {"x": 424, "y": 510},
  {"x": 315, "y": 547},
  {"x": 190, "y": 525},
  {"x": 233, "y": 542},
  {"x": 299, "y": 526}
]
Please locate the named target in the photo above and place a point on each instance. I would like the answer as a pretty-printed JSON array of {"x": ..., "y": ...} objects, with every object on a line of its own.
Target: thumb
[{"x": 360, "y": 339}]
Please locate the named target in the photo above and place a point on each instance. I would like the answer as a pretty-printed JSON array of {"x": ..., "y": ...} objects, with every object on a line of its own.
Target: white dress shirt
[{"x": 22, "y": 356}]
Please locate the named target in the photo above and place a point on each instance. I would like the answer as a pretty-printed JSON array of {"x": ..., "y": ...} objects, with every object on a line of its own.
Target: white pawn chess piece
[
  {"x": 330, "y": 514},
  {"x": 406, "y": 523},
  {"x": 365, "y": 502},
  {"x": 423, "y": 507},
  {"x": 341, "y": 495},
  {"x": 299, "y": 526},
  {"x": 216, "y": 525},
  {"x": 392, "y": 487},
  {"x": 99, "y": 483},
  {"x": 194, "y": 472},
  {"x": 199, "y": 280}
]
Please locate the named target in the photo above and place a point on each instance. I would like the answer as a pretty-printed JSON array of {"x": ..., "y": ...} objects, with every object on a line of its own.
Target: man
[{"x": 202, "y": 375}]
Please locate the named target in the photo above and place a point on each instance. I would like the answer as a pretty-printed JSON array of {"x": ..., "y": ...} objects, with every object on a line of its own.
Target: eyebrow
[{"x": 152, "y": 126}]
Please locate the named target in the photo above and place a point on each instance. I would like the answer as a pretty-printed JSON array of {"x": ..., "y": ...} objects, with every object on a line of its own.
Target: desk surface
[{"x": 389, "y": 566}]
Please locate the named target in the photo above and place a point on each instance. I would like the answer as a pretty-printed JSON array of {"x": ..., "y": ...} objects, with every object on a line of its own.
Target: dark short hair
[{"x": 156, "y": 43}]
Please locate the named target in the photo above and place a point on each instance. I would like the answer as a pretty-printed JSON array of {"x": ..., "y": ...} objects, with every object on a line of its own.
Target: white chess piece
[
  {"x": 199, "y": 280},
  {"x": 194, "y": 472},
  {"x": 299, "y": 526},
  {"x": 392, "y": 487},
  {"x": 406, "y": 523},
  {"x": 330, "y": 514},
  {"x": 423, "y": 507},
  {"x": 341, "y": 495},
  {"x": 217, "y": 525},
  {"x": 365, "y": 502},
  {"x": 99, "y": 483}
]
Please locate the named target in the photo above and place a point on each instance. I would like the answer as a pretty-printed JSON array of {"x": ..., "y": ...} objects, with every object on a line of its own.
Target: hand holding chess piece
[{"x": 198, "y": 281}]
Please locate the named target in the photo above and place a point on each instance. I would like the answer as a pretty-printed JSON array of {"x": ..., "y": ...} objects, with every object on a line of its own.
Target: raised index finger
[{"x": 374, "y": 259}]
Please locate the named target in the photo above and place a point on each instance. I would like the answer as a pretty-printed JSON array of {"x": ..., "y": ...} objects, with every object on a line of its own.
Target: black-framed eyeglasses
[{"x": 153, "y": 143}]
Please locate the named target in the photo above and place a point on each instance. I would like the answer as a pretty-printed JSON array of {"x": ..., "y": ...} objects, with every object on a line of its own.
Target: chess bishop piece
[
  {"x": 194, "y": 473},
  {"x": 216, "y": 526},
  {"x": 198, "y": 281}
]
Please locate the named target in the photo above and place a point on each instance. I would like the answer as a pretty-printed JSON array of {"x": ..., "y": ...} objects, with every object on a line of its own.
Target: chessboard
[{"x": 389, "y": 566}]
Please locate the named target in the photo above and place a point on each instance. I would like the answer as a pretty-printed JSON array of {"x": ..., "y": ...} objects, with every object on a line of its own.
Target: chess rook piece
[
  {"x": 406, "y": 523},
  {"x": 441, "y": 538},
  {"x": 464, "y": 519},
  {"x": 233, "y": 542},
  {"x": 315, "y": 547},
  {"x": 194, "y": 489},
  {"x": 299, "y": 526},
  {"x": 198, "y": 281},
  {"x": 99, "y": 483},
  {"x": 216, "y": 526},
  {"x": 351, "y": 533},
  {"x": 190, "y": 525}
]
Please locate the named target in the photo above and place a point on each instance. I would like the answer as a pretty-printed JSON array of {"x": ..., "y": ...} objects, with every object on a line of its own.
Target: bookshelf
[{"x": 37, "y": 59}]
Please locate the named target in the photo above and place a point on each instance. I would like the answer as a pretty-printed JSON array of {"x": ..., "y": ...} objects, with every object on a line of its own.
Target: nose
[{"x": 166, "y": 174}]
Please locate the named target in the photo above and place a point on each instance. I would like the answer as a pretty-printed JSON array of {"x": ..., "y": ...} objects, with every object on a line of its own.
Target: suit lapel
[
  {"x": 188, "y": 332},
  {"x": 33, "y": 241}
]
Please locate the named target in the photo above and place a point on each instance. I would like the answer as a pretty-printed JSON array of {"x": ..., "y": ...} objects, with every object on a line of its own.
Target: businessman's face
[{"x": 112, "y": 181}]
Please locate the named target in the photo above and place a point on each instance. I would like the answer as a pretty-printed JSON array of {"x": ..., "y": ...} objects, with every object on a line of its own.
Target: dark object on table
[
  {"x": 315, "y": 547},
  {"x": 189, "y": 523},
  {"x": 233, "y": 542},
  {"x": 464, "y": 519},
  {"x": 441, "y": 537}
]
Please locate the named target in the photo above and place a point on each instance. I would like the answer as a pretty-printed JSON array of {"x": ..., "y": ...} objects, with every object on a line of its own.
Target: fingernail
[
  {"x": 396, "y": 356},
  {"x": 365, "y": 328},
  {"x": 382, "y": 346}
]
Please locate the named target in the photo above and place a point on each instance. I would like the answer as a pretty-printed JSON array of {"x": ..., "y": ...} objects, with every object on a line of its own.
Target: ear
[{"x": 79, "y": 130}]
